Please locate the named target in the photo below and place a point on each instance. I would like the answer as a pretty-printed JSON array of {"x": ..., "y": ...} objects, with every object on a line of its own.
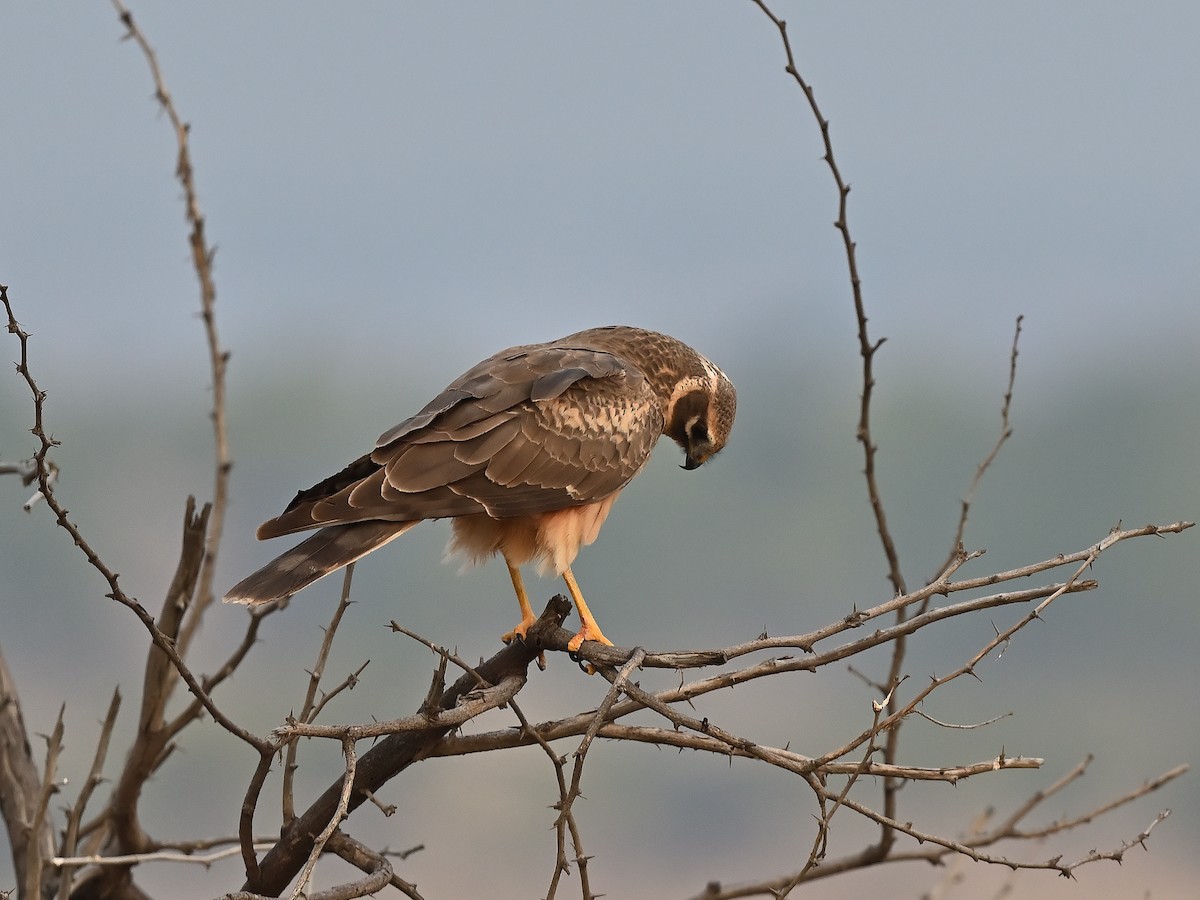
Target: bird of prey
[{"x": 526, "y": 452}]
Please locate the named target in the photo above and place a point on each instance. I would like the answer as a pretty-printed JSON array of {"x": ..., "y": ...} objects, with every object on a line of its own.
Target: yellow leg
[
  {"x": 527, "y": 616},
  {"x": 590, "y": 630}
]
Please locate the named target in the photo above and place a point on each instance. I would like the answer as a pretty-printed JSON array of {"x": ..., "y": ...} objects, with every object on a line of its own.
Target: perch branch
[{"x": 389, "y": 757}]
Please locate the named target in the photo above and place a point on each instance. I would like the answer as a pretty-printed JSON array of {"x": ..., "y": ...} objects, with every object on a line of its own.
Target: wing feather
[
  {"x": 479, "y": 450},
  {"x": 532, "y": 429}
]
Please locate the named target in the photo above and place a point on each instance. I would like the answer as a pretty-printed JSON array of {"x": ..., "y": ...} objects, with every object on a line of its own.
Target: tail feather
[{"x": 328, "y": 550}]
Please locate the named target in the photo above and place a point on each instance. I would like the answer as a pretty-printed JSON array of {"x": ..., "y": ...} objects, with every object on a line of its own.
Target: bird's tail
[{"x": 328, "y": 550}]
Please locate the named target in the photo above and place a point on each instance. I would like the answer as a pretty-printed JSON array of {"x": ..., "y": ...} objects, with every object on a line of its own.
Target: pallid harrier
[{"x": 526, "y": 452}]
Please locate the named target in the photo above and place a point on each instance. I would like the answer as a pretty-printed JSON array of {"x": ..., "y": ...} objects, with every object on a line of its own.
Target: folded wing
[{"x": 531, "y": 429}]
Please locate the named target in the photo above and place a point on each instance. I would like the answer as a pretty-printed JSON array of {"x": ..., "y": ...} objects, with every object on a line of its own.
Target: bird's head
[{"x": 700, "y": 414}]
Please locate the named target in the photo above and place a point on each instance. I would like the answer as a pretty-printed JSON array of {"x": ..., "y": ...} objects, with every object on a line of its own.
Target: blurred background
[{"x": 398, "y": 190}]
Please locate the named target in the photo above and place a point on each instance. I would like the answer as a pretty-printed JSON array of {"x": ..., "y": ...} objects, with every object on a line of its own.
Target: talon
[
  {"x": 519, "y": 632},
  {"x": 588, "y": 634},
  {"x": 584, "y": 666}
]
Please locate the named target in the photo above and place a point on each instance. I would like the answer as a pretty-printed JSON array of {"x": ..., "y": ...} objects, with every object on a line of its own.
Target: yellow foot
[
  {"x": 586, "y": 633},
  {"x": 519, "y": 632}
]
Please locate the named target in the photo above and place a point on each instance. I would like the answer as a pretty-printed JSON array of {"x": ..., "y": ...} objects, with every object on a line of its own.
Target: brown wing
[{"x": 529, "y": 430}]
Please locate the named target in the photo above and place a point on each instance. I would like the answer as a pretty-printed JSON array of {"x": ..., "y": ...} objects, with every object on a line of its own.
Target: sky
[{"x": 398, "y": 190}]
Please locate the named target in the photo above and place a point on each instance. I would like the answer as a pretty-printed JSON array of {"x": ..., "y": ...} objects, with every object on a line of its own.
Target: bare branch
[
  {"x": 340, "y": 813},
  {"x": 620, "y": 681},
  {"x": 935, "y": 850},
  {"x": 1065, "y": 824},
  {"x": 563, "y": 823},
  {"x": 376, "y": 865},
  {"x": 63, "y": 519},
  {"x": 866, "y": 347},
  {"x": 309, "y": 709},
  {"x": 479, "y": 701},
  {"x": 31, "y": 838},
  {"x": 163, "y": 855},
  {"x": 202, "y": 260},
  {"x": 1001, "y": 439},
  {"x": 971, "y": 727},
  {"x": 38, "y": 820},
  {"x": 151, "y": 742},
  {"x": 390, "y": 756},
  {"x": 209, "y": 682},
  {"x": 71, "y": 836}
]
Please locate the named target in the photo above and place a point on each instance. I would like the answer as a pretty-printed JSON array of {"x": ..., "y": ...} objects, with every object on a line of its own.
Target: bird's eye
[{"x": 697, "y": 430}]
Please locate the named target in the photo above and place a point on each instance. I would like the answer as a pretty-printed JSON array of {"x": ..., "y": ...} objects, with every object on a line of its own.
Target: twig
[
  {"x": 202, "y": 260},
  {"x": 34, "y": 861},
  {"x": 1005, "y": 433},
  {"x": 346, "y": 684},
  {"x": 1039, "y": 797},
  {"x": 71, "y": 836},
  {"x": 993, "y": 720},
  {"x": 562, "y": 823},
  {"x": 1066, "y": 824},
  {"x": 940, "y": 848},
  {"x": 20, "y": 782},
  {"x": 162, "y": 855},
  {"x": 151, "y": 745},
  {"x": 444, "y": 652},
  {"x": 867, "y": 348},
  {"x": 821, "y": 838},
  {"x": 691, "y": 659},
  {"x": 343, "y": 809},
  {"x": 619, "y": 683},
  {"x": 375, "y": 864},
  {"x": 783, "y": 758},
  {"x": 477, "y": 702},
  {"x": 210, "y": 682},
  {"x": 308, "y": 709}
]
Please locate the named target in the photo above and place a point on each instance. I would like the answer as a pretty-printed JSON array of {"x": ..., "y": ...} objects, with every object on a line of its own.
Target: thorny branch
[
  {"x": 340, "y": 813},
  {"x": 867, "y": 347},
  {"x": 311, "y": 708},
  {"x": 171, "y": 635},
  {"x": 202, "y": 261},
  {"x": 1001, "y": 439},
  {"x": 394, "y": 753},
  {"x": 34, "y": 860},
  {"x": 566, "y": 818},
  {"x": 867, "y": 350},
  {"x": 161, "y": 641},
  {"x": 20, "y": 784},
  {"x": 75, "y": 817}
]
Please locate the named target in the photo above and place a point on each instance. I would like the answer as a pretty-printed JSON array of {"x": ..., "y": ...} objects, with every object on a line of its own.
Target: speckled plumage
[{"x": 526, "y": 451}]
